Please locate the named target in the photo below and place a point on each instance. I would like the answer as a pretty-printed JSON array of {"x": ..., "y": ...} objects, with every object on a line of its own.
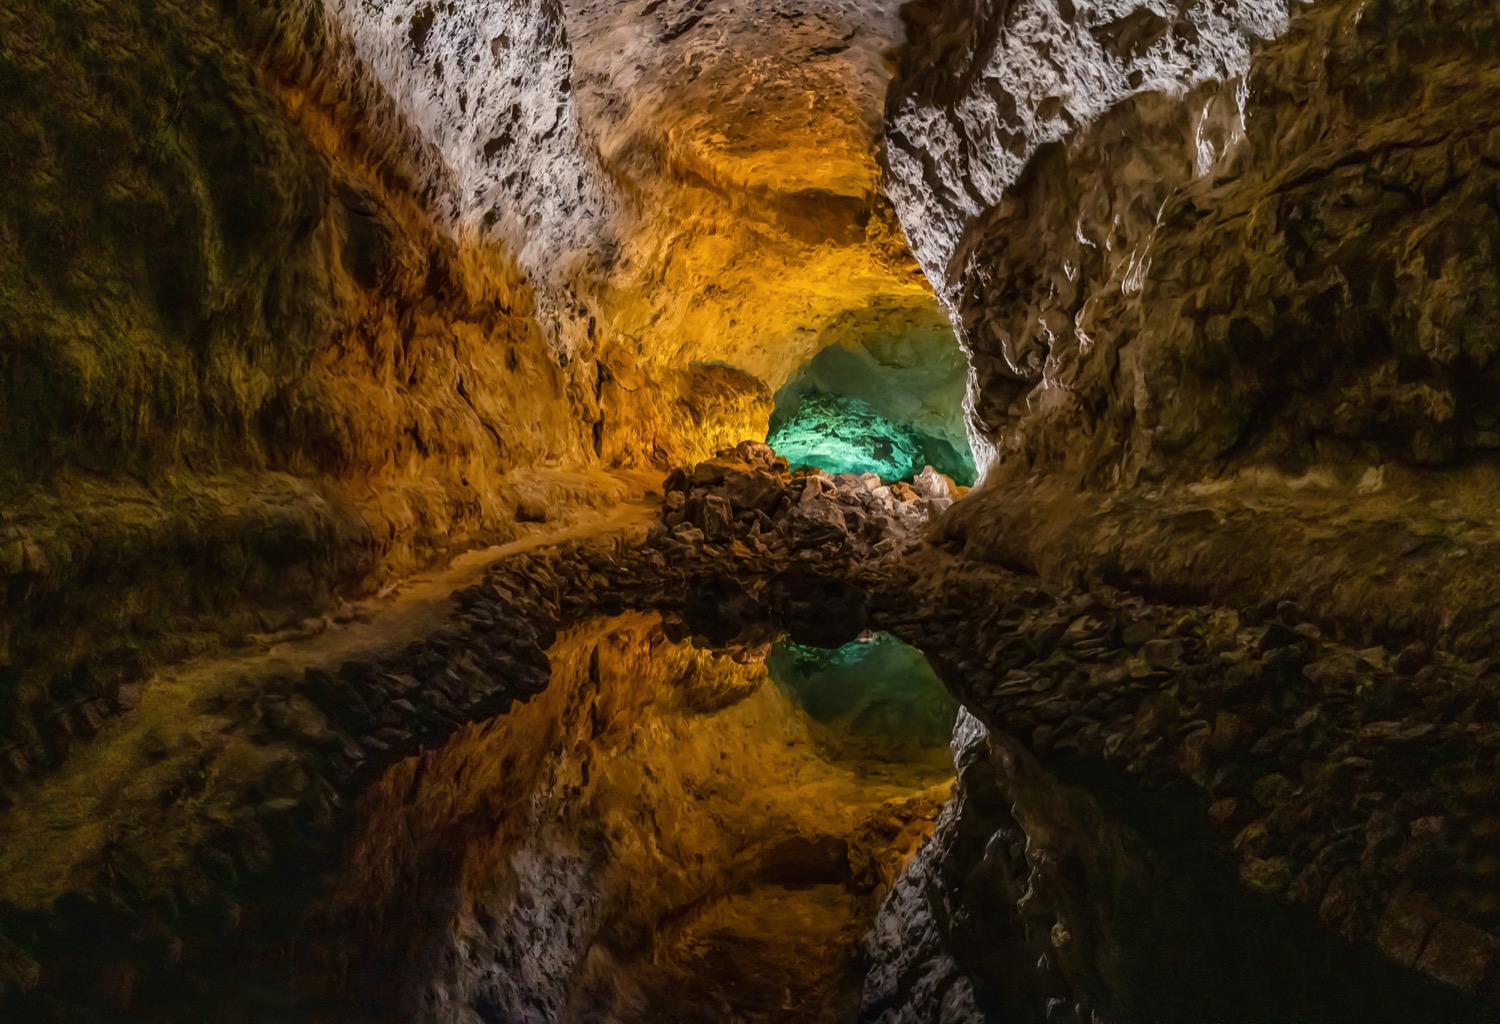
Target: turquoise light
[
  {"x": 874, "y": 687},
  {"x": 844, "y": 434}
]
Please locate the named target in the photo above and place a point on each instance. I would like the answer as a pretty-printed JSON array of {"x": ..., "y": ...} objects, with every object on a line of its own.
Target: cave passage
[
  {"x": 486, "y": 532},
  {"x": 885, "y": 405}
]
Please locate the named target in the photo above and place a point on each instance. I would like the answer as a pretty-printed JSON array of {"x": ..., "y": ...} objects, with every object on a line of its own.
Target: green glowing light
[
  {"x": 844, "y": 434},
  {"x": 873, "y": 687}
]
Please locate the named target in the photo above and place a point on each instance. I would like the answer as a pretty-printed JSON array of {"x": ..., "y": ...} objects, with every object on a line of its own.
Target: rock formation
[{"x": 1253, "y": 277}]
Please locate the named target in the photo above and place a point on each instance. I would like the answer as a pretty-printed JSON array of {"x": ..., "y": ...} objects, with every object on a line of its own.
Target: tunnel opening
[{"x": 891, "y": 405}]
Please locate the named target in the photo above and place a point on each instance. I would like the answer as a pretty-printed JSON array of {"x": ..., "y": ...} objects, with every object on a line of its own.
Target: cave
[
  {"x": 892, "y": 406},
  {"x": 925, "y": 512}
]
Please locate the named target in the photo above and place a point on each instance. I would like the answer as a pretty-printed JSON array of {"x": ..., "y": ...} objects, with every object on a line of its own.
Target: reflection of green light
[
  {"x": 875, "y": 687},
  {"x": 842, "y": 434}
]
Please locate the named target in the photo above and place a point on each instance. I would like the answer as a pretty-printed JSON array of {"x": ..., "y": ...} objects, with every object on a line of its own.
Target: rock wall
[
  {"x": 1292, "y": 259},
  {"x": 673, "y": 196},
  {"x": 1232, "y": 268},
  {"x": 247, "y": 364},
  {"x": 982, "y": 87},
  {"x": 751, "y": 232}
]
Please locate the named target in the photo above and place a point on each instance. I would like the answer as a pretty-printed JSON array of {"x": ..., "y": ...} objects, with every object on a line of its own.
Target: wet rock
[
  {"x": 814, "y": 523},
  {"x": 818, "y": 611},
  {"x": 933, "y": 485}
]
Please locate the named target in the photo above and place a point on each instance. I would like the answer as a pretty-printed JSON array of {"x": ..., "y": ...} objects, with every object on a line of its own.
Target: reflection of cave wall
[
  {"x": 660, "y": 835},
  {"x": 1037, "y": 900},
  {"x": 877, "y": 690}
]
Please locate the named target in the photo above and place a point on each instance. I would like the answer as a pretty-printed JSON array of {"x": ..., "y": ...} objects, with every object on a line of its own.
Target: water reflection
[
  {"x": 670, "y": 833},
  {"x": 663, "y": 834},
  {"x": 876, "y": 688}
]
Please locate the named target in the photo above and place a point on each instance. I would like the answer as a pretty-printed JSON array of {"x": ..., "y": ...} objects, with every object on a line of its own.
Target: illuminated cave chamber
[
  {"x": 891, "y": 404},
  {"x": 366, "y": 366}
]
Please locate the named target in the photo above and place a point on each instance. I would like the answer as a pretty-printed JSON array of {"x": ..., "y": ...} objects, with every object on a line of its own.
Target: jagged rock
[
  {"x": 814, "y": 523},
  {"x": 934, "y": 485},
  {"x": 757, "y": 490}
]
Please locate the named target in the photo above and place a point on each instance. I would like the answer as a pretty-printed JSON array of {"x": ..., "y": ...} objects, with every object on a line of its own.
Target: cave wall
[
  {"x": 300, "y": 297},
  {"x": 692, "y": 192},
  {"x": 247, "y": 366},
  {"x": 982, "y": 92},
  {"x": 1233, "y": 267},
  {"x": 752, "y": 232},
  {"x": 1229, "y": 292},
  {"x": 1286, "y": 257}
]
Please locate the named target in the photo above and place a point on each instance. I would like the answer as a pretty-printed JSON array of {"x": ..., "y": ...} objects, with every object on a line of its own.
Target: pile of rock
[{"x": 747, "y": 495}]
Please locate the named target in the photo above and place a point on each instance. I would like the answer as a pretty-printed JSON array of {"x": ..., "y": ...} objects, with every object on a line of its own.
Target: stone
[
  {"x": 717, "y": 518},
  {"x": 813, "y": 523},
  {"x": 1459, "y": 953},
  {"x": 757, "y": 490}
]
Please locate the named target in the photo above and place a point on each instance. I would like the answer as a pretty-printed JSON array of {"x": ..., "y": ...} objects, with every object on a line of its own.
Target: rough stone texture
[
  {"x": 1296, "y": 266},
  {"x": 1166, "y": 757},
  {"x": 744, "y": 137},
  {"x": 659, "y": 175},
  {"x": 1230, "y": 338},
  {"x": 292, "y": 294},
  {"x": 244, "y": 372},
  {"x": 1166, "y": 255},
  {"x": 982, "y": 87},
  {"x": 477, "y": 102},
  {"x": 1356, "y": 781}
]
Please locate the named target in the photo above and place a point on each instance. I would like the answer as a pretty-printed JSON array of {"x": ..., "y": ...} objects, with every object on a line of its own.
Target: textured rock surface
[
  {"x": 244, "y": 367},
  {"x": 751, "y": 230},
  {"x": 1230, "y": 339},
  {"x": 1295, "y": 265},
  {"x": 298, "y": 297},
  {"x": 1357, "y": 781},
  {"x": 982, "y": 87},
  {"x": 661, "y": 177}
]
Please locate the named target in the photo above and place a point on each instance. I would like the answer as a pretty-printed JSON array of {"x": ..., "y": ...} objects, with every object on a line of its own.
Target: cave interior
[{"x": 601, "y": 512}]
